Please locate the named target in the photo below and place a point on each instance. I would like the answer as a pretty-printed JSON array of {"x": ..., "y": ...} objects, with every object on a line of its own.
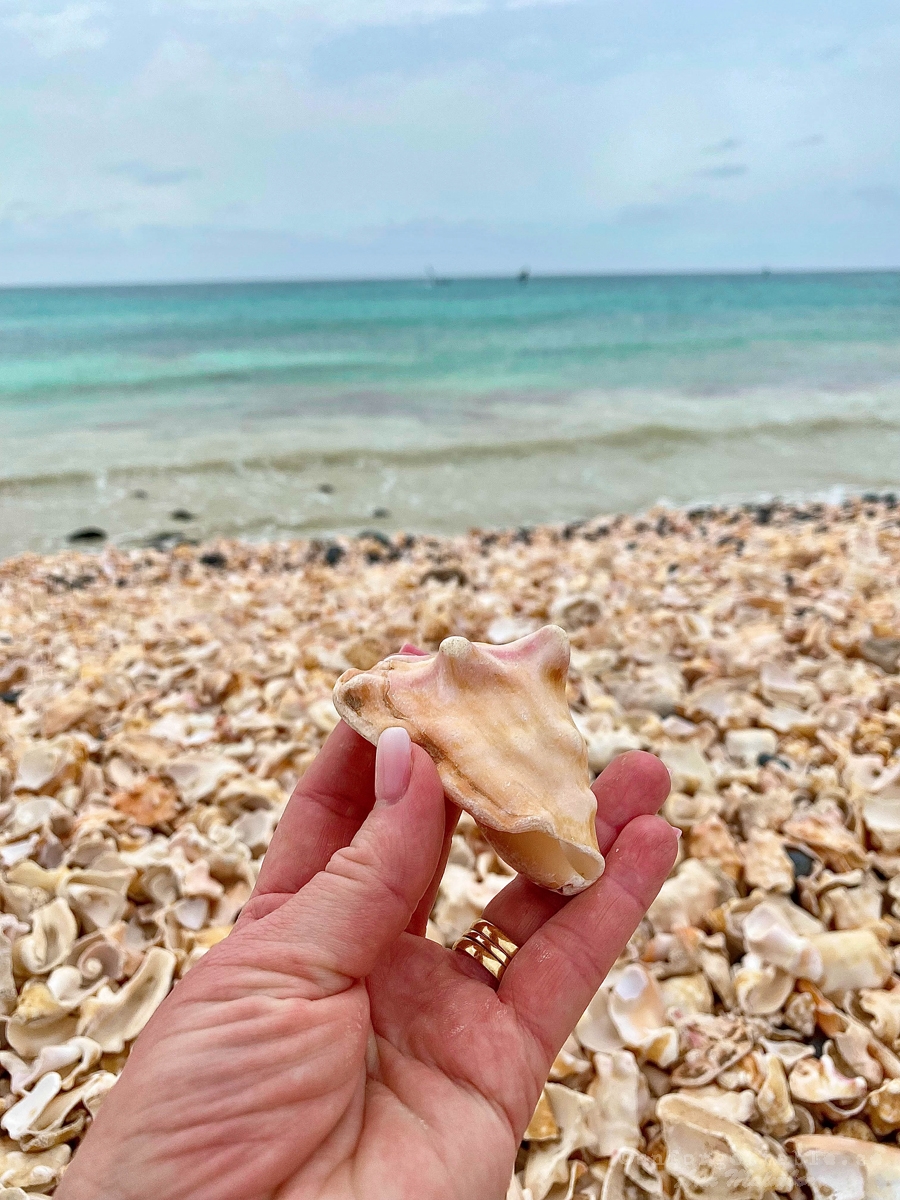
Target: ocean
[{"x": 273, "y": 410}]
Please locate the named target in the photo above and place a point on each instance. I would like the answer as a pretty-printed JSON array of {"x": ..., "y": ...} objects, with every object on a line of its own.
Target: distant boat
[
  {"x": 524, "y": 275},
  {"x": 435, "y": 280}
]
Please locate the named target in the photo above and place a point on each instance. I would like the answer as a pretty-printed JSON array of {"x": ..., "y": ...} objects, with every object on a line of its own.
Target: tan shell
[
  {"x": 496, "y": 722},
  {"x": 841, "y": 1168}
]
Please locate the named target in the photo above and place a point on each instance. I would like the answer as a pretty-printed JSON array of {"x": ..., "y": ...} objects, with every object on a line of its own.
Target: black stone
[
  {"x": 870, "y": 498},
  {"x": 523, "y": 535},
  {"x": 763, "y": 759},
  {"x": 90, "y": 533},
  {"x": 213, "y": 559},
  {"x": 10, "y": 697},
  {"x": 326, "y": 488},
  {"x": 446, "y": 575},
  {"x": 803, "y": 863},
  {"x": 167, "y": 539},
  {"x": 182, "y": 514},
  {"x": 139, "y": 494},
  {"x": 381, "y": 514},
  {"x": 375, "y": 535},
  {"x": 334, "y": 553}
]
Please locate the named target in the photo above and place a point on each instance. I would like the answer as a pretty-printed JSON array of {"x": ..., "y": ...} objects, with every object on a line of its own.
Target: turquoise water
[{"x": 465, "y": 402}]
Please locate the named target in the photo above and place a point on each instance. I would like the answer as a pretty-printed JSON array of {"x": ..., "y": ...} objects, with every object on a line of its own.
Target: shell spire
[{"x": 496, "y": 722}]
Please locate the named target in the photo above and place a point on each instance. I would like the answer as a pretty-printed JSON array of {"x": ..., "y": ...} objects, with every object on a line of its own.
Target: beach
[{"x": 158, "y": 706}]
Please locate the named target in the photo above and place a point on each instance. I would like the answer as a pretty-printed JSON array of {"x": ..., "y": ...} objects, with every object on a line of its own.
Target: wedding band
[{"x": 489, "y": 946}]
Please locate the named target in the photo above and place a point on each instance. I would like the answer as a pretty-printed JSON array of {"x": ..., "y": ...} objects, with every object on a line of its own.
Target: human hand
[{"x": 326, "y": 1050}]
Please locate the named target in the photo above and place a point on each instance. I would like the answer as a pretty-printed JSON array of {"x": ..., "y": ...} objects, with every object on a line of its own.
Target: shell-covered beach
[{"x": 158, "y": 707}]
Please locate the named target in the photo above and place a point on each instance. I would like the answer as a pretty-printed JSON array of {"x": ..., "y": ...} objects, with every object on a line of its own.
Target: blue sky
[{"x": 180, "y": 139}]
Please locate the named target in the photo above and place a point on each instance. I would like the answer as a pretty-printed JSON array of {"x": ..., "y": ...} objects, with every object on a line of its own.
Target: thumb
[{"x": 348, "y": 915}]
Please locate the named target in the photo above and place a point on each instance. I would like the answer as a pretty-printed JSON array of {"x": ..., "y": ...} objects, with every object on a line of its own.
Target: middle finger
[{"x": 633, "y": 785}]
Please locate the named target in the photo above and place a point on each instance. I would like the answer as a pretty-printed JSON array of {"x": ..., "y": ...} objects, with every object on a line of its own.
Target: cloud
[
  {"x": 149, "y": 176},
  {"x": 356, "y": 13},
  {"x": 729, "y": 143},
  {"x": 70, "y": 29},
  {"x": 725, "y": 171}
]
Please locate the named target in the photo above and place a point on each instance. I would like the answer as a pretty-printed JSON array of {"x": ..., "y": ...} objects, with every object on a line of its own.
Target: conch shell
[{"x": 496, "y": 722}]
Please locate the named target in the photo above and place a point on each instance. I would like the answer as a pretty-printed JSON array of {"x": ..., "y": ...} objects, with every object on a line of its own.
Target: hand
[{"x": 326, "y": 1050}]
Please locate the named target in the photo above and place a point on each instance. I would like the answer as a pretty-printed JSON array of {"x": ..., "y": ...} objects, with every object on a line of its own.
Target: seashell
[
  {"x": 746, "y": 746},
  {"x": 114, "y": 1018},
  {"x": 632, "y": 1176},
  {"x": 548, "y": 1162},
  {"x": 737, "y": 1106},
  {"x": 687, "y": 898},
  {"x": 884, "y": 1009},
  {"x": 712, "y": 1157},
  {"x": 637, "y": 1011},
  {"x": 761, "y": 989},
  {"x": 22, "y": 1116},
  {"x": 689, "y": 770},
  {"x": 607, "y": 744},
  {"x": 883, "y": 1108},
  {"x": 770, "y": 935},
  {"x": 766, "y": 865},
  {"x": 881, "y": 814},
  {"x": 496, "y": 722},
  {"x": 773, "y": 1100},
  {"x": 851, "y": 958},
  {"x": 542, "y": 1127},
  {"x": 618, "y": 1087},
  {"x": 39, "y": 765},
  {"x": 70, "y": 1060},
  {"x": 841, "y": 1168},
  {"x": 687, "y": 993},
  {"x": 711, "y": 842},
  {"x": 43, "y": 1169},
  {"x": 595, "y": 1029},
  {"x": 817, "y": 1080},
  {"x": 52, "y": 936},
  {"x": 198, "y": 776}
]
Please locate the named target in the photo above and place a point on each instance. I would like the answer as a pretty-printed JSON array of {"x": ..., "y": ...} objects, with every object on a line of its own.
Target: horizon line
[{"x": 464, "y": 277}]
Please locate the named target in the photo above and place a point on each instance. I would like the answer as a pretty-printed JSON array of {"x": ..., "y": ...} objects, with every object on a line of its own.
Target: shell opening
[{"x": 546, "y": 859}]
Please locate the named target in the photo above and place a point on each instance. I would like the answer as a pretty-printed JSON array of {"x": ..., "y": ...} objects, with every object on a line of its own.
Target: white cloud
[
  {"x": 71, "y": 28},
  {"x": 355, "y": 13}
]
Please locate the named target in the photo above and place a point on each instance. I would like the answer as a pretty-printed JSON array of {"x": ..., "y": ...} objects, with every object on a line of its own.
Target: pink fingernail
[
  {"x": 678, "y": 833},
  {"x": 393, "y": 765}
]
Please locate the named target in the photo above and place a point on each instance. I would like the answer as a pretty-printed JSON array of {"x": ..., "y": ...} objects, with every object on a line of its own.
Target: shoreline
[{"x": 157, "y": 706}]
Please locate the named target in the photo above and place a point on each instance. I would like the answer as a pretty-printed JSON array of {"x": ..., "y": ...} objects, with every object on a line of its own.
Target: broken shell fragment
[
  {"x": 496, "y": 722},
  {"x": 842, "y": 1168},
  {"x": 712, "y": 1157}
]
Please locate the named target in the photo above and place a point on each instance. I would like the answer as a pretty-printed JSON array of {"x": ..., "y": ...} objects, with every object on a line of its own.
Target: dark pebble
[
  {"x": 334, "y": 553},
  {"x": 446, "y": 575},
  {"x": 818, "y": 1042},
  {"x": 139, "y": 494},
  {"x": 870, "y": 498},
  {"x": 213, "y": 559},
  {"x": 326, "y": 488},
  {"x": 523, "y": 535},
  {"x": 182, "y": 514},
  {"x": 381, "y": 514},
  {"x": 375, "y": 535},
  {"x": 803, "y": 863},
  {"x": 168, "y": 539},
  {"x": 10, "y": 697},
  {"x": 90, "y": 533},
  {"x": 763, "y": 759}
]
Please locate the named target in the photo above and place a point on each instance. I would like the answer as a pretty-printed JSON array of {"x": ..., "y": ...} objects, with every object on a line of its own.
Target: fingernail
[
  {"x": 393, "y": 765},
  {"x": 678, "y": 833}
]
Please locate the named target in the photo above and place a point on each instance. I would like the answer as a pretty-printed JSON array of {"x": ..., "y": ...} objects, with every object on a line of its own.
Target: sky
[{"x": 151, "y": 140}]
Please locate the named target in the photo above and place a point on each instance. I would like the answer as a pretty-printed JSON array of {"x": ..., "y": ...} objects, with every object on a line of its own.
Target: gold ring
[{"x": 489, "y": 946}]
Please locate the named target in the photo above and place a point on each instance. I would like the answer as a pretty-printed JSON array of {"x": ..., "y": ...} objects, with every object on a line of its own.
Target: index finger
[{"x": 326, "y": 810}]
